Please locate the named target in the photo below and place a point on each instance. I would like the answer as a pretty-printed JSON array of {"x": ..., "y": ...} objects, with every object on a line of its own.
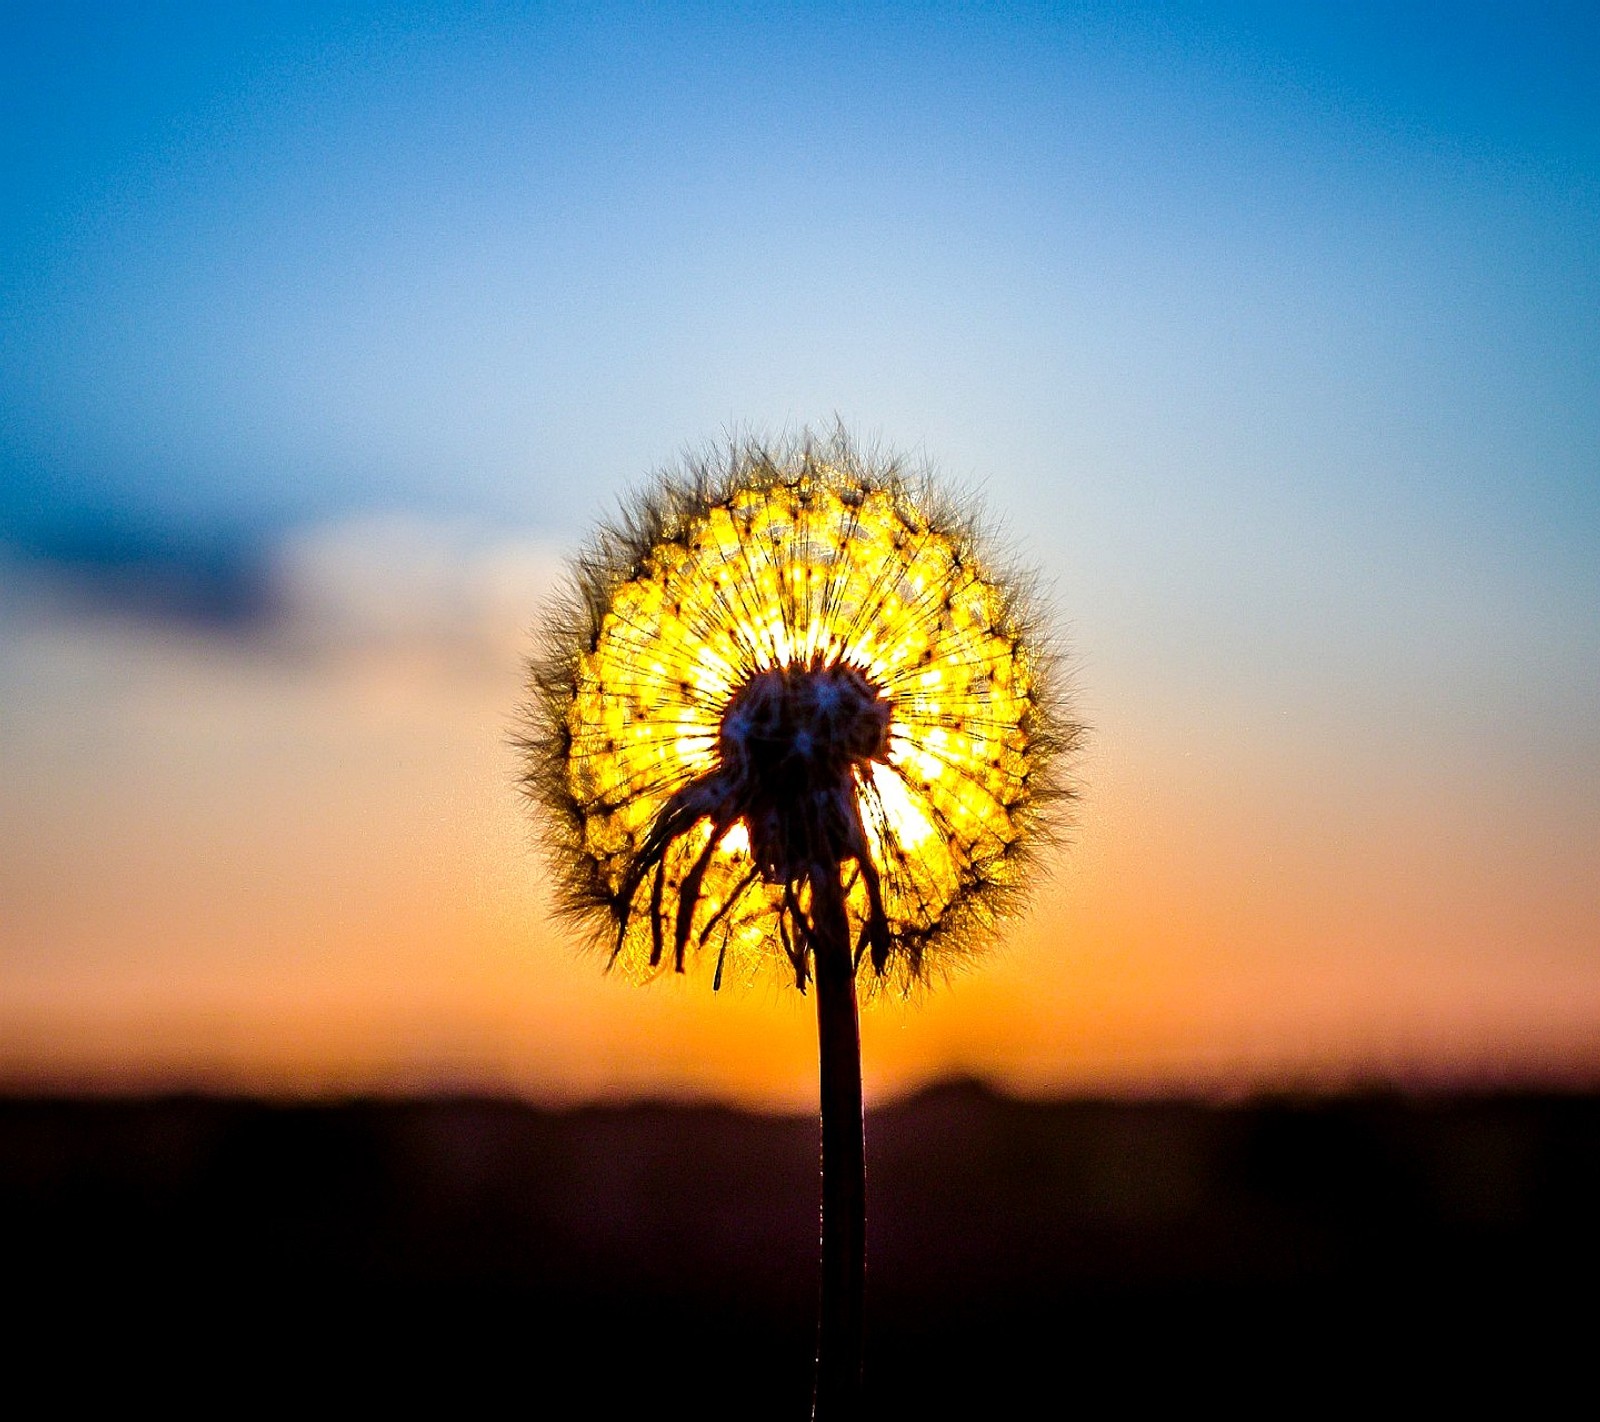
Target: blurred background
[{"x": 1269, "y": 334}]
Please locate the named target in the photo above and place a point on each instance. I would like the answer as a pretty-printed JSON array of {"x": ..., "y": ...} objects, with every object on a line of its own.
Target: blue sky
[{"x": 266, "y": 262}]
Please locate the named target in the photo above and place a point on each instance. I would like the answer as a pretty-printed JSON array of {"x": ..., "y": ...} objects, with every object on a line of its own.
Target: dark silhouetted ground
[{"x": 195, "y": 1252}]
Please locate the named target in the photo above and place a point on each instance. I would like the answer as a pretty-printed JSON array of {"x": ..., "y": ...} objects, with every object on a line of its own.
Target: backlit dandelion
[
  {"x": 793, "y": 715},
  {"x": 782, "y": 659}
]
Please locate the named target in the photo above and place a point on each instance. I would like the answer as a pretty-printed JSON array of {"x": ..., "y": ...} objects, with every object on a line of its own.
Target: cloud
[
  {"x": 385, "y": 587},
  {"x": 114, "y": 563},
  {"x": 374, "y": 584},
  {"x": 385, "y": 610}
]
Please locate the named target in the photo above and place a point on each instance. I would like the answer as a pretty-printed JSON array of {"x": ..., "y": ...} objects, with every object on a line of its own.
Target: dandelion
[{"x": 792, "y": 715}]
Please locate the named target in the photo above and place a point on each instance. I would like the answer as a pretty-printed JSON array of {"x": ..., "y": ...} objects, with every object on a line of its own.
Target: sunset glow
[{"x": 1267, "y": 336}]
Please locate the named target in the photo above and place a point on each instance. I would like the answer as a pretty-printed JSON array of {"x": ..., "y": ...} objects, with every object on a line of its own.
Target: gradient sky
[{"x": 1269, "y": 334}]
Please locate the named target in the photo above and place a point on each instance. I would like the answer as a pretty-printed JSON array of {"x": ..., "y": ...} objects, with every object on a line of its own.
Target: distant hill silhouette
[{"x": 657, "y": 1253}]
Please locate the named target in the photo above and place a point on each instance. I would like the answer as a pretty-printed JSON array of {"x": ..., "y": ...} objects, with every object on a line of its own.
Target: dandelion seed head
[{"x": 780, "y": 657}]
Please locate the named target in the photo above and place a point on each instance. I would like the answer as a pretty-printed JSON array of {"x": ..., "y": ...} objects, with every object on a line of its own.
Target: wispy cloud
[
  {"x": 113, "y": 563},
  {"x": 457, "y": 599},
  {"x": 456, "y": 596}
]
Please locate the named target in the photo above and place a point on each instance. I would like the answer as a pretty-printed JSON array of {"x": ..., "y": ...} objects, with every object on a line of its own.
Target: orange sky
[{"x": 301, "y": 864}]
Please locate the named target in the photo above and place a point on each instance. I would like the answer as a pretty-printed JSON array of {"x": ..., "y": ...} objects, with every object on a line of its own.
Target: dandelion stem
[{"x": 844, "y": 1167}]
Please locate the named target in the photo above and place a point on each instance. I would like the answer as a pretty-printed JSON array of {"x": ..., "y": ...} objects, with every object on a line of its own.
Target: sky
[{"x": 1268, "y": 334}]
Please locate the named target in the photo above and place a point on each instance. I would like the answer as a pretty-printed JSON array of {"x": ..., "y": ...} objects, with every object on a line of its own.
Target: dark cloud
[{"x": 212, "y": 579}]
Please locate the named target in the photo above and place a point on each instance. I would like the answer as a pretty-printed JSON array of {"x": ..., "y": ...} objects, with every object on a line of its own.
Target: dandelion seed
[{"x": 780, "y": 659}]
